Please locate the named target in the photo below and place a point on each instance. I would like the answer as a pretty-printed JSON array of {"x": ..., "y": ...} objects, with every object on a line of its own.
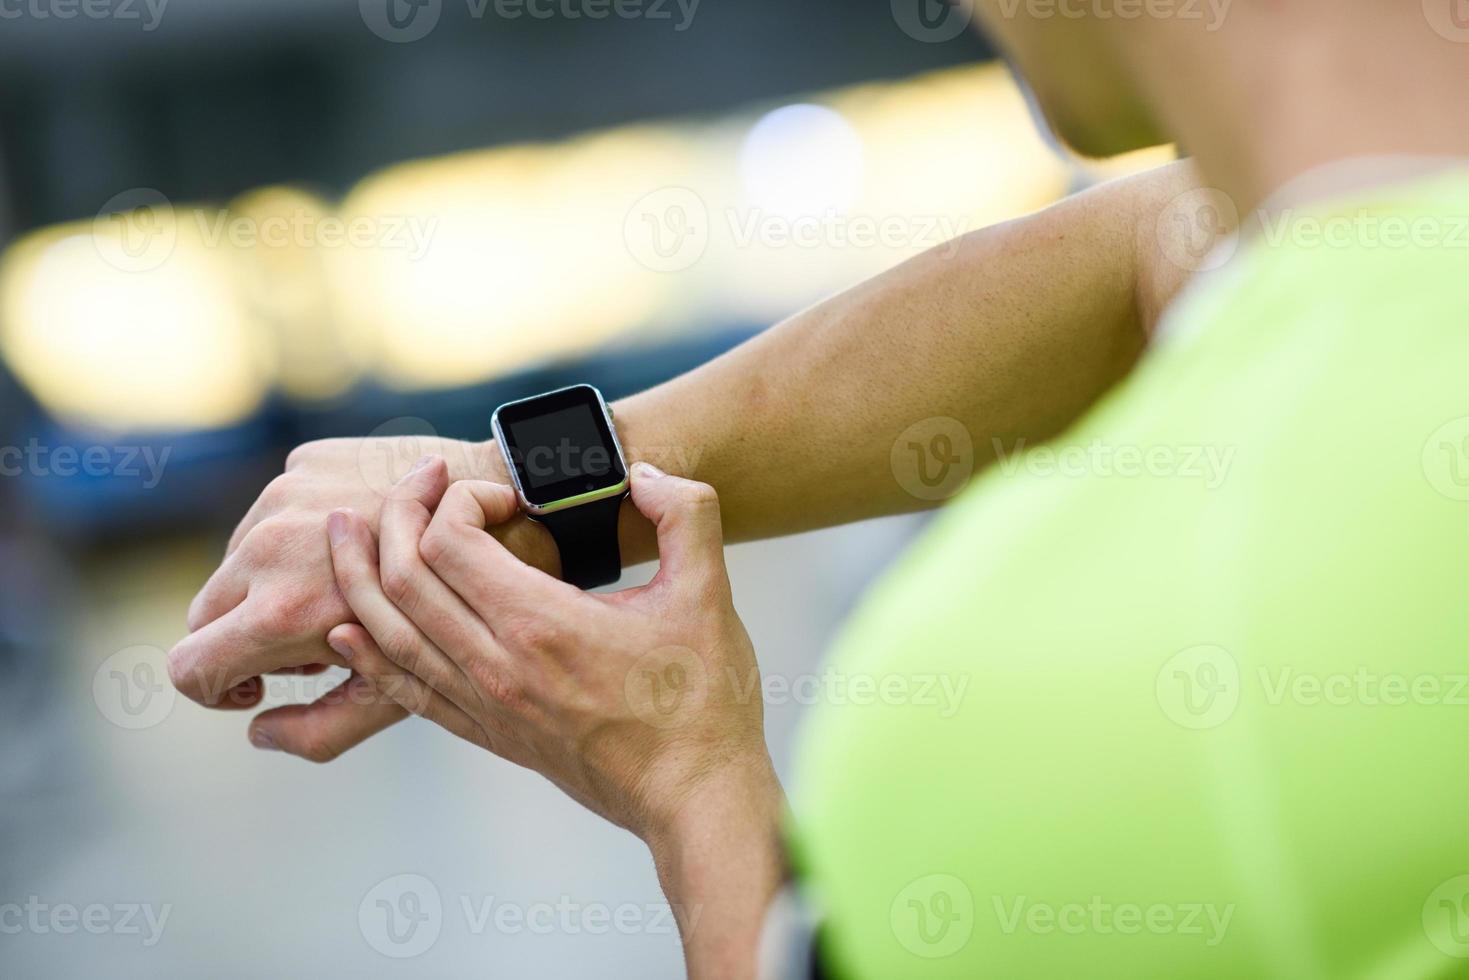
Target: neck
[{"x": 1285, "y": 90}]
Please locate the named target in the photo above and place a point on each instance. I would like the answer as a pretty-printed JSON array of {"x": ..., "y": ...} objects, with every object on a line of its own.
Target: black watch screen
[{"x": 562, "y": 448}]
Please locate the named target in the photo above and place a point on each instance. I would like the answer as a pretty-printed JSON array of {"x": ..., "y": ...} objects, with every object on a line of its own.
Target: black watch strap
[{"x": 586, "y": 537}]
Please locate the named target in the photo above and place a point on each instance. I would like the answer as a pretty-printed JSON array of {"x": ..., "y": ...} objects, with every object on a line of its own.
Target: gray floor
[{"x": 270, "y": 867}]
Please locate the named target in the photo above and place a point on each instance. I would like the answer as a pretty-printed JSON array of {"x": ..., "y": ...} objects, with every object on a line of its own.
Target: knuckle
[
  {"x": 284, "y": 614},
  {"x": 460, "y": 493},
  {"x": 533, "y": 633},
  {"x": 399, "y": 580},
  {"x": 399, "y": 644},
  {"x": 305, "y": 454},
  {"x": 270, "y": 536},
  {"x": 504, "y": 692},
  {"x": 434, "y": 543},
  {"x": 696, "y": 496},
  {"x": 181, "y": 673},
  {"x": 316, "y": 748},
  {"x": 276, "y": 493}
]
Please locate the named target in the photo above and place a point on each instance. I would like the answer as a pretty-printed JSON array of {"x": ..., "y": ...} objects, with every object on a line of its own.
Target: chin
[
  {"x": 1100, "y": 139},
  {"x": 1099, "y": 128}
]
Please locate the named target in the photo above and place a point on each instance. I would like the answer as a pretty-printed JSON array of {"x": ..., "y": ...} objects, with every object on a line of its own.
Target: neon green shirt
[{"x": 1213, "y": 649}]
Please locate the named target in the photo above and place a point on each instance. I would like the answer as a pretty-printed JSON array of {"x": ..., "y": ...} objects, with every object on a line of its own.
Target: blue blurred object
[{"x": 88, "y": 486}]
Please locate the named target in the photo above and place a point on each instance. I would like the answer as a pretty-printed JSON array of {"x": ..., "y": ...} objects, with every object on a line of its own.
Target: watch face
[{"x": 561, "y": 446}]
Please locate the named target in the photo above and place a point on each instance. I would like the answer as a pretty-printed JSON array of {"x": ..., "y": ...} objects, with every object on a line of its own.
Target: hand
[
  {"x": 629, "y": 701},
  {"x": 643, "y": 704},
  {"x": 270, "y": 604}
]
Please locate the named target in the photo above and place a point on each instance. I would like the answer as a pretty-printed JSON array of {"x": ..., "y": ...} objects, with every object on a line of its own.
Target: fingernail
[
  {"x": 336, "y": 527},
  {"x": 261, "y": 739},
  {"x": 649, "y": 470},
  {"x": 343, "y": 650},
  {"x": 424, "y": 461}
]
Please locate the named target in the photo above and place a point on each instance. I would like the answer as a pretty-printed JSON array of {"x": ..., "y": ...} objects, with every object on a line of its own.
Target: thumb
[
  {"x": 477, "y": 503},
  {"x": 468, "y": 507},
  {"x": 686, "y": 516}
]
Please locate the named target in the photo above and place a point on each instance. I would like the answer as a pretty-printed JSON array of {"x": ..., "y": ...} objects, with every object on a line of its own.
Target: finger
[
  {"x": 226, "y": 589},
  {"x": 405, "y": 514},
  {"x": 686, "y": 516},
  {"x": 410, "y": 584},
  {"x": 249, "y": 693},
  {"x": 208, "y": 663},
  {"x": 354, "y": 562},
  {"x": 475, "y": 565},
  {"x": 413, "y": 695},
  {"x": 349, "y": 713},
  {"x": 479, "y": 503},
  {"x": 211, "y": 663}
]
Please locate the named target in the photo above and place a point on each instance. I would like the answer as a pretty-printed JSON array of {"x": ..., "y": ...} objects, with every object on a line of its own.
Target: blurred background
[{"x": 231, "y": 226}]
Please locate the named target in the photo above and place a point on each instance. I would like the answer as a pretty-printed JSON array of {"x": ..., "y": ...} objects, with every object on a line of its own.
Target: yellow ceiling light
[
  {"x": 130, "y": 322},
  {"x": 283, "y": 237},
  {"x": 519, "y": 257},
  {"x": 447, "y": 272},
  {"x": 530, "y": 254}
]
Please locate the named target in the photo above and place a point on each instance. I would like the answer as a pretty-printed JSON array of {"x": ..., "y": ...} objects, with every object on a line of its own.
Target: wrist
[
  {"x": 636, "y": 537},
  {"x": 719, "y": 859},
  {"x": 482, "y": 461},
  {"x": 741, "y": 797},
  {"x": 635, "y": 534}
]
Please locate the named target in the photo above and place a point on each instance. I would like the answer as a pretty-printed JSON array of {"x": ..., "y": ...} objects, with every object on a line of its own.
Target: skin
[
  {"x": 1014, "y": 336},
  {"x": 1273, "y": 92},
  {"x": 1015, "y": 333},
  {"x": 577, "y": 685}
]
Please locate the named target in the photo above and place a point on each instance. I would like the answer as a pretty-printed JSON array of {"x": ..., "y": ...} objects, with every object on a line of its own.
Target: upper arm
[{"x": 1177, "y": 221}]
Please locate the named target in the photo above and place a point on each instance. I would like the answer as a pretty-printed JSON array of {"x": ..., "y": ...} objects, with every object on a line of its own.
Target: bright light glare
[
  {"x": 283, "y": 280},
  {"x": 526, "y": 260},
  {"x": 158, "y": 348},
  {"x": 801, "y": 160},
  {"x": 478, "y": 264}
]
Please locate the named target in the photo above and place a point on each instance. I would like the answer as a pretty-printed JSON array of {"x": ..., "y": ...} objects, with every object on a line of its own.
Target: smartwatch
[{"x": 570, "y": 475}]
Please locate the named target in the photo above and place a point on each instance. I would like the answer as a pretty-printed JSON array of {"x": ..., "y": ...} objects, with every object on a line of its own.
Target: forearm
[{"x": 1014, "y": 331}]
